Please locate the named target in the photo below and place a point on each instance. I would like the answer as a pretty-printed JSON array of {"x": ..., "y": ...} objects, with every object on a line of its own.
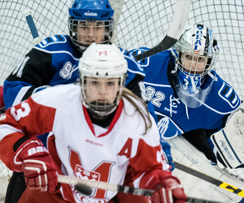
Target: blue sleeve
[
  {"x": 167, "y": 153},
  {"x": 135, "y": 74},
  {"x": 34, "y": 70},
  {"x": 134, "y": 71},
  {"x": 11, "y": 89}
]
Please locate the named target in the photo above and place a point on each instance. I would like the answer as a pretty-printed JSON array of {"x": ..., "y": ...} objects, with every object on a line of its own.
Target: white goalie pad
[
  {"x": 230, "y": 140},
  {"x": 185, "y": 153}
]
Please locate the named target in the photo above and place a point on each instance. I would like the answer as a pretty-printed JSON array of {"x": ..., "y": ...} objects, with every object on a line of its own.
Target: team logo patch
[
  {"x": 163, "y": 125},
  {"x": 168, "y": 129},
  {"x": 84, "y": 174},
  {"x": 90, "y": 14}
]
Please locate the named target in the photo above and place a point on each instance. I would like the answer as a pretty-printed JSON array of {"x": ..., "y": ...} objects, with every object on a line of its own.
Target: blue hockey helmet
[
  {"x": 91, "y": 9},
  {"x": 90, "y": 21}
]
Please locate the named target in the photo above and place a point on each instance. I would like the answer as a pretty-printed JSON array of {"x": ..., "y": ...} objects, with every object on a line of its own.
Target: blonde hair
[{"x": 129, "y": 95}]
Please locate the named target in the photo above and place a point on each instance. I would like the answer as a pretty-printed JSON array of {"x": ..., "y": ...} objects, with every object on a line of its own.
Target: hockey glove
[
  {"x": 167, "y": 153},
  {"x": 167, "y": 186},
  {"x": 33, "y": 159}
]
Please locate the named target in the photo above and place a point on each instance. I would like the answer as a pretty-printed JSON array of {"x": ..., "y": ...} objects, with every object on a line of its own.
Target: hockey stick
[
  {"x": 2, "y": 110},
  {"x": 85, "y": 187},
  {"x": 210, "y": 179},
  {"x": 31, "y": 24},
  {"x": 181, "y": 11}
]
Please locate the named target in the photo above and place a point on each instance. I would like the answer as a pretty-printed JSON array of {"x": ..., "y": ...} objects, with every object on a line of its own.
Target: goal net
[{"x": 138, "y": 23}]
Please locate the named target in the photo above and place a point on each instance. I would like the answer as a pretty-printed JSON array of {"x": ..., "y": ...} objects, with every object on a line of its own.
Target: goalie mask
[
  {"x": 195, "y": 56},
  {"x": 103, "y": 71},
  {"x": 90, "y": 21}
]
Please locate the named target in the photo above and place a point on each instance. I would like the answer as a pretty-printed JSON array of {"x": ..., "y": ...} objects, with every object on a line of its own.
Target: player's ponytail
[{"x": 128, "y": 95}]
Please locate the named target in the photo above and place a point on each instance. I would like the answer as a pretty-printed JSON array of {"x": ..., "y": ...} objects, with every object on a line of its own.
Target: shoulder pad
[
  {"x": 133, "y": 66},
  {"x": 124, "y": 51},
  {"x": 135, "y": 52},
  {"x": 55, "y": 39}
]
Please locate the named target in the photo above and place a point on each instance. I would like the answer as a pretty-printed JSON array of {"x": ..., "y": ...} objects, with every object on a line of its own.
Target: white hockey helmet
[
  {"x": 102, "y": 61},
  {"x": 197, "y": 48}
]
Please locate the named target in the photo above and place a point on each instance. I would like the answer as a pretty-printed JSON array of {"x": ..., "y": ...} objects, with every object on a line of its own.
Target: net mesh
[
  {"x": 145, "y": 25},
  {"x": 139, "y": 23}
]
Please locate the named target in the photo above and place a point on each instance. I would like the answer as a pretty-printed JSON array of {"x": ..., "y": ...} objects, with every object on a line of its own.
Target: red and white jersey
[{"x": 84, "y": 150}]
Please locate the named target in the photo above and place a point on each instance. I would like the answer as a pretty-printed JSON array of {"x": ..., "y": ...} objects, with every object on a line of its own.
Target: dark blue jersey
[
  {"x": 174, "y": 117},
  {"x": 51, "y": 62}
]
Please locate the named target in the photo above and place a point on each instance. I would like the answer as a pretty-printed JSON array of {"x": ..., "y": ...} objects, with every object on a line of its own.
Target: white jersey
[{"x": 85, "y": 150}]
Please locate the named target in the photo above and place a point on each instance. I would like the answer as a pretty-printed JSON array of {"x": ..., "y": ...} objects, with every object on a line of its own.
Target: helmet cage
[
  {"x": 104, "y": 108},
  {"x": 84, "y": 11},
  {"x": 99, "y": 62},
  {"x": 84, "y": 38}
]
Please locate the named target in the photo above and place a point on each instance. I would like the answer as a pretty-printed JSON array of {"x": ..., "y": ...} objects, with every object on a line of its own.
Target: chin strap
[{"x": 212, "y": 76}]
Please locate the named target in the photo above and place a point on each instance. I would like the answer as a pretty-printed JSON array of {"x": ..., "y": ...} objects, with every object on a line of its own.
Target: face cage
[
  {"x": 105, "y": 109},
  {"x": 83, "y": 24},
  {"x": 194, "y": 62}
]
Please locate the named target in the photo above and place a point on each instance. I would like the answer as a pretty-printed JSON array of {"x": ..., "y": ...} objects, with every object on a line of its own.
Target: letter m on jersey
[{"x": 100, "y": 173}]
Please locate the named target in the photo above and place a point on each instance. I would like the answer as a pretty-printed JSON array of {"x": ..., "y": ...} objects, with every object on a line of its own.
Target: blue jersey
[
  {"x": 51, "y": 62},
  {"x": 174, "y": 117}
]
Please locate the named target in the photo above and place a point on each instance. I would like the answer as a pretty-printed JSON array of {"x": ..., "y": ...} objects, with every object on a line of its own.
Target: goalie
[{"x": 191, "y": 99}]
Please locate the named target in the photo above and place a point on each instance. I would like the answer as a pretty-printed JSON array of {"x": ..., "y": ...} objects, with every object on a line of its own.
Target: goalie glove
[
  {"x": 33, "y": 159},
  {"x": 229, "y": 143},
  {"x": 168, "y": 187}
]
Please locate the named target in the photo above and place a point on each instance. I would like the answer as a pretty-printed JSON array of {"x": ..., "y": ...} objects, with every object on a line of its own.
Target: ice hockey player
[
  {"x": 55, "y": 59},
  {"x": 101, "y": 131},
  {"x": 189, "y": 97}
]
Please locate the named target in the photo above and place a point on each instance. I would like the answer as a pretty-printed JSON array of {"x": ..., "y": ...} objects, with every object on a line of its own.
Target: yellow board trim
[{"x": 232, "y": 189}]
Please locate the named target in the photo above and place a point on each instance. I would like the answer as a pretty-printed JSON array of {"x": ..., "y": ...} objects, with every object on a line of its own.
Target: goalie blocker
[{"x": 229, "y": 144}]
